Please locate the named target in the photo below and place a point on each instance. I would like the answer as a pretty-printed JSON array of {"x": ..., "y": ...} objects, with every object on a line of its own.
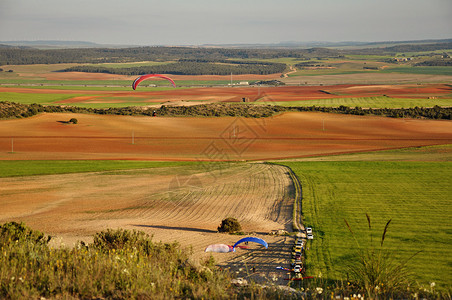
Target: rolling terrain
[
  {"x": 176, "y": 178},
  {"x": 289, "y": 135},
  {"x": 181, "y": 203}
]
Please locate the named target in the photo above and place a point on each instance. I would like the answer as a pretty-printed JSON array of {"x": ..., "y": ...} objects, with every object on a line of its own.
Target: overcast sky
[{"x": 196, "y": 22}]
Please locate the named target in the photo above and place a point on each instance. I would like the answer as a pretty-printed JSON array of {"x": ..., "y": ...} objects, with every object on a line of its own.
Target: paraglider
[
  {"x": 251, "y": 239},
  {"x": 223, "y": 248},
  {"x": 143, "y": 77},
  {"x": 219, "y": 248}
]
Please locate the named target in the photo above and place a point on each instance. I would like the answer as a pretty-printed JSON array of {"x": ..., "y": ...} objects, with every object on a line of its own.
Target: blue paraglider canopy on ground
[{"x": 251, "y": 239}]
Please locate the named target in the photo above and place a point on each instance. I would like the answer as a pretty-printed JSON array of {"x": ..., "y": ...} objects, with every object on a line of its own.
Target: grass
[
  {"x": 368, "y": 57},
  {"x": 428, "y": 153},
  {"x": 420, "y": 70},
  {"x": 415, "y": 195},
  {"x": 100, "y": 85},
  {"x": 45, "y": 167},
  {"x": 107, "y": 85},
  {"x": 29, "y": 98},
  {"x": 318, "y": 72},
  {"x": 369, "y": 102},
  {"x": 131, "y": 64}
]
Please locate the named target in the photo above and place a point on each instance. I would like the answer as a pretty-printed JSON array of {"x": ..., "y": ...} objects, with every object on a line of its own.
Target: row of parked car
[
  {"x": 297, "y": 254},
  {"x": 297, "y": 262}
]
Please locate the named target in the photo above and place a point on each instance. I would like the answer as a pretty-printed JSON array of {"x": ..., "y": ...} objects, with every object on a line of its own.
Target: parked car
[
  {"x": 297, "y": 269},
  {"x": 308, "y": 230},
  {"x": 310, "y": 236}
]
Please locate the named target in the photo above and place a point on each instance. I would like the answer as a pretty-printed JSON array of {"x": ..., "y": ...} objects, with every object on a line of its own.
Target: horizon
[
  {"x": 202, "y": 22},
  {"x": 288, "y": 44}
]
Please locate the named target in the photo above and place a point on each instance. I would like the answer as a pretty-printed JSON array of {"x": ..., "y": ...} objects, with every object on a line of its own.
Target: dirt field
[
  {"x": 103, "y": 76},
  {"x": 184, "y": 204},
  {"x": 370, "y": 78},
  {"x": 236, "y": 94},
  {"x": 288, "y": 135}
]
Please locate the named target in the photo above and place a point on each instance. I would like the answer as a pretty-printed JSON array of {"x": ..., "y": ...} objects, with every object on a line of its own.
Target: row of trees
[
  {"x": 22, "y": 55},
  {"x": 436, "y": 112},
  {"x": 444, "y": 62},
  {"x": 15, "y": 110},
  {"x": 190, "y": 67}
]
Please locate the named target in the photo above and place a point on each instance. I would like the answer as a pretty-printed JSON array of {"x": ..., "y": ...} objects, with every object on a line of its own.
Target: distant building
[{"x": 403, "y": 59}]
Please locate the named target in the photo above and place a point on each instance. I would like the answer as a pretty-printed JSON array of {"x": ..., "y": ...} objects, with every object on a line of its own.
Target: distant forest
[
  {"x": 10, "y": 55},
  {"x": 191, "y": 67}
]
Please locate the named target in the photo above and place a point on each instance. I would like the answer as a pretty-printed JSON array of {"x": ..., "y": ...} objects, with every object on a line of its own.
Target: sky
[{"x": 198, "y": 22}]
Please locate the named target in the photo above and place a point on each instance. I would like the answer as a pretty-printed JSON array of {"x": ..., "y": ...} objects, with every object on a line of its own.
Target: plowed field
[
  {"x": 288, "y": 135},
  {"x": 237, "y": 94},
  {"x": 184, "y": 204}
]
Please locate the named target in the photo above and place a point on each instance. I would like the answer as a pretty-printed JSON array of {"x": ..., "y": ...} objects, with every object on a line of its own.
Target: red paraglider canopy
[{"x": 143, "y": 77}]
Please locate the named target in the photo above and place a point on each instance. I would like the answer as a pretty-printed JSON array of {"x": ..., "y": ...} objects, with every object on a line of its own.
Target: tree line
[
  {"x": 24, "y": 55},
  {"x": 16, "y": 110},
  {"x": 441, "y": 62},
  {"x": 190, "y": 67}
]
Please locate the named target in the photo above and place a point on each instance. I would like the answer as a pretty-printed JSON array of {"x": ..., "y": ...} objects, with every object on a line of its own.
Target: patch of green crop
[
  {"x": 414, "y": 195},
  {"x": 368, "y": 102},
  {"x": 420, "y": 70},
  {"x": 29, "y": 98},
  {"x": 46, "y": 167}
]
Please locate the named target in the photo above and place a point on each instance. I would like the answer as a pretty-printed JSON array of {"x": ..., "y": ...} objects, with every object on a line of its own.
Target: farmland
[
  {"x": 177, "y": 177},
  {"x": 414, "y": 195},
  {"x": 375, "y": 96},
  {"x": 369, "y": 102},
  {"x": 184, "y": 203},
  {"x": 289, "y": 135}
]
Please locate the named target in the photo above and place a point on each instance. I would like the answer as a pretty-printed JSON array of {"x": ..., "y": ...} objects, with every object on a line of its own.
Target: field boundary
[{"x": 297, "y": 224}]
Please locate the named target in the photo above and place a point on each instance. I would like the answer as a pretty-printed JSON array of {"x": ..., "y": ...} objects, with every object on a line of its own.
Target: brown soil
[
  {"x": 251, "y": 94},
  {"x": 172, "y": 204},
  {"x": 288, "y": 135},
  {"x": 103, "y": 76},
  {"x": 368, "y": 78}
]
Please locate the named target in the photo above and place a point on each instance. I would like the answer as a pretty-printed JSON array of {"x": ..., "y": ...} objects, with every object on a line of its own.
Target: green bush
[
  {"x": 229, "y": 225},
  {"x": 73, "y": 121},
  {"x": 113, "y": 267},
  {"x": 19, "y": 232},
  {"x": 121, "y": 239}
]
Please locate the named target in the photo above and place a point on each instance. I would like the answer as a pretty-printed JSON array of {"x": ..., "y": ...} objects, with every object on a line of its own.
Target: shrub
[
  {"x": 19, "y": 232},
  {"x": 114, "y": 267},
  {"x": 73, "y": 121},
  {"x": 230, "y": 225},
  {"x": 121, "y": 239}
]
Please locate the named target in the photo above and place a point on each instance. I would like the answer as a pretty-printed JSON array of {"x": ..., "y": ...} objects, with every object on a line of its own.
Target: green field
[
  {"x": 108, "y": 85},
  {"x": 368, "y": 102},
  {"x": 414, "y": 195},
  {"x": 12, "y": 168},
  {"x": 318, "y": 72},
  {"x": 102, "y": 85},
  {"x": 420, "y": 70},
  {"x": 132, "y": 64},
  {"x": 28, "y": 98},
  {"x": 428, "y": 153}
]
